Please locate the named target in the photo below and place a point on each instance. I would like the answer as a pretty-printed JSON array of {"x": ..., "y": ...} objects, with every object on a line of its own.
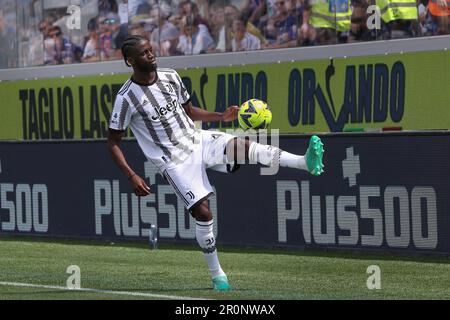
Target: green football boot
[
  {"x": 220, "y": 283},
  {"x": 314, "y": 156}
]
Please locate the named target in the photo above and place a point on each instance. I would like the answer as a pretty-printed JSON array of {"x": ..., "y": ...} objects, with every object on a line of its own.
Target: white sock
[
  {"x": 270, "y": 155},
  {"x": 206, "y": 240}
]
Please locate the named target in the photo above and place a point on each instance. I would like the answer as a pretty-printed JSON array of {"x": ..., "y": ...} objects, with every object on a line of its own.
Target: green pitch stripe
[{"x": 127, "y": 293}]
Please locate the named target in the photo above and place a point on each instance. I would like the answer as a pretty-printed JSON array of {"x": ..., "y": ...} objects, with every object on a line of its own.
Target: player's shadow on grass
[
  {"x": 165, "y": 291},
  {"x": 156, "y": 290},
  {"x": 345, "y": 253},
  {"x": 356, "y": 254}
]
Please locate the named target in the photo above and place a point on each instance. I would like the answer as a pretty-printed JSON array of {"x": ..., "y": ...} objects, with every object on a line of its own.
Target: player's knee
[
  {"x": 237, "y": 149},
  {"x": 201, "y": 212},
  {"x": 244, "y": 146}
]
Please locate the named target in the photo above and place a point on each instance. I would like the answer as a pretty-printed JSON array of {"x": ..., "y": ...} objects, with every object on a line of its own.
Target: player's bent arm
[
  {"x": 195, "y": 113},
  {"x": 114, "y": 138}
]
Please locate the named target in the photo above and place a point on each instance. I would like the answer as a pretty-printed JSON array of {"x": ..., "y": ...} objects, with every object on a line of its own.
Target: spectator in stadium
[
  {"x": 169, "y": 47},
  {"x": 133, "y": 6},
  {"x": 297, "y": 7},
  {"x": 267, "y": 12},
  {"x": 92, "y": 48},
  {"x": 243, "y": 40},
  {"x": 325, "y": 22},
  {"x": 119, "y": 38},
  {"x": 144, "y": 8},
  {"x": 252, "y": 10},
  {"x": 49, "y": 51},
  {"x": 49, "y": 46},
  {"x": 195, "y": 37},
  {"x": 106, "y": 7},
  {"x": 281, "y": 28},
  {"x": 8, "y": 53},
  {"x": 220, "y": 33},
  {"x": 399, "y": 19},
  {"x": 174, "y": 5},
  {"x": 122, "y": 11},
  {"x": 140, "y": 25},
  {"x": 109, "y": 27},
  {"x": 359, "y": 30},
  {"x": 175, "y": 19},
  {"x": 165, "y": 34},
  {"x": 426, "y": 25},
  {"x": 270, "y": 8},
  {"x": 440, "y": 13},
  {"x": 61, "y": 50},
  {"x": 190, "y": 9},
  {"x": 231, "y": 14},
  {"x": 232, "y": 11},
  {"x": 43, "y": 27},
  {"x": 140, "y": 19},
  {"x": 203, "y": 7}
]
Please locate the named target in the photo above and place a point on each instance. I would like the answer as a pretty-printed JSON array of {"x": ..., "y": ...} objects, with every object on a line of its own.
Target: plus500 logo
[
  {"x": 23, "y": 207},
  {"x": 393, "y": 216}
]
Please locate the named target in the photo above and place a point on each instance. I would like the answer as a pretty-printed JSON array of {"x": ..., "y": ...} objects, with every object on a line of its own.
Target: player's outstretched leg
[
  {"x": 268, "y": 155},
  {"x": 205, "y": 238}
]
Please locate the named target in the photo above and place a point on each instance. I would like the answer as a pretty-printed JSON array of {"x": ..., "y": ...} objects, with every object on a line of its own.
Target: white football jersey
[{"x": 157, "y": 118}]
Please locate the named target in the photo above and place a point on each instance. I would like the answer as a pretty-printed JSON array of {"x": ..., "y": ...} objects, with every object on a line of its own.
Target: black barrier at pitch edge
[{"x": 385, "y": 192}]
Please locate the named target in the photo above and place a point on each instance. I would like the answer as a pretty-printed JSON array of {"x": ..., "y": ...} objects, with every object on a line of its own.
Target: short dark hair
[{"x": 128, "y": 45}]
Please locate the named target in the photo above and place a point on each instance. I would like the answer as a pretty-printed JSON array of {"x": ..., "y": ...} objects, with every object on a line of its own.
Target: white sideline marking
[{"x": 127, "y": 293}]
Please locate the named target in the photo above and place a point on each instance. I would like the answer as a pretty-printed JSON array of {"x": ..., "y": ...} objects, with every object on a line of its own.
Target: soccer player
[{"x": 156, "y": 106}]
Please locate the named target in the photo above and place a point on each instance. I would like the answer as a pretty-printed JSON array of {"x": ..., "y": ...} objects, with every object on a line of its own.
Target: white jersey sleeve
[
  {"x": 121, "y": 114},
  {"x": 183, "y": 94}
]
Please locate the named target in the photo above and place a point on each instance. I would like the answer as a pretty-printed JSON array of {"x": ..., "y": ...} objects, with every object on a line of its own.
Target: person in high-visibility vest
[
  {"x": 440, "y": 11},
  {"x": 399, "y": 18},
  {"x": 330, "y": 19},
  {"x": 397, "y": 10}
]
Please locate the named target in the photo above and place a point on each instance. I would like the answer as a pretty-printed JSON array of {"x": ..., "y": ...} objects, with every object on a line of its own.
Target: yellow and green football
[{"x": 254, "y": 114}]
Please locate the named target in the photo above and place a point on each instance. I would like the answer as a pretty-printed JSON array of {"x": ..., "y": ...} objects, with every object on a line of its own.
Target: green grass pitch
[{"x": 180, "y": 271}]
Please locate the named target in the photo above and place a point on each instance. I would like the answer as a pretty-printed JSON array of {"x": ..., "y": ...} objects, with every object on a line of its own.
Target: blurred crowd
[{"x": 188, "y": 27}]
